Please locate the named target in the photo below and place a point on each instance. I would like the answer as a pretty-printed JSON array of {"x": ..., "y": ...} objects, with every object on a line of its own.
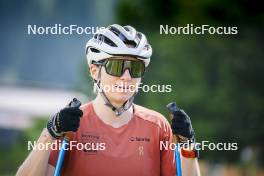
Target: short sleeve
[{"x": 168, "y": 167}]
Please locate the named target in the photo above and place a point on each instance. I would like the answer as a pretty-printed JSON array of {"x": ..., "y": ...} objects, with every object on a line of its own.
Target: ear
[{"x": 94, "y": 71}]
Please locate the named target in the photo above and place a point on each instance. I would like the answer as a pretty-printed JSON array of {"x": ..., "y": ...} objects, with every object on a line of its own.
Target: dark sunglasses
[{"x": 117, "y": 67}]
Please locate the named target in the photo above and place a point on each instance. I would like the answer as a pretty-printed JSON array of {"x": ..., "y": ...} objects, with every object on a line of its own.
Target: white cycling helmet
[{"x": 116, "y": 40}]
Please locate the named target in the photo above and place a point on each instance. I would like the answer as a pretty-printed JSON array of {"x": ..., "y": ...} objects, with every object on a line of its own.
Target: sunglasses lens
[
  {"x": 137, "y": 69},
  {"x": 116, "y": 67}
]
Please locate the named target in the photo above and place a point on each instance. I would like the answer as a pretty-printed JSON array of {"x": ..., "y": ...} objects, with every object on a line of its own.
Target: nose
[{"x": 126, "y": 76}]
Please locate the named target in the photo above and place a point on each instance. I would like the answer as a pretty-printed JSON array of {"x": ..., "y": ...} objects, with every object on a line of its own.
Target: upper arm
[{"x": 167, "y": 154}]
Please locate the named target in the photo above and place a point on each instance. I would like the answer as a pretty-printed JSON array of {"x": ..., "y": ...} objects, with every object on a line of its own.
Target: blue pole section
[
  {"x": 178, "y": 160},
  {"x": 64, "y": 144}
]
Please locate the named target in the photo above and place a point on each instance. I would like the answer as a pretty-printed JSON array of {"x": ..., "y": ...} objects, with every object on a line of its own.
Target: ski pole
[
  {"x": 65, "y": 142},
  {"x": 172, "y": 107}
]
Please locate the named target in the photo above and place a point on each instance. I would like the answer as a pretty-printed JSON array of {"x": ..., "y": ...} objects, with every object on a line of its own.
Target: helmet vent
[
  {"x": 94, "y": 50},
  {"x": 139, "y": 35},
  {"x": 109, "y": 42},
  {"x": 130, "y": 43},
  {"x": 146, "y": 47},
  {"x": 115, "y": 31}
]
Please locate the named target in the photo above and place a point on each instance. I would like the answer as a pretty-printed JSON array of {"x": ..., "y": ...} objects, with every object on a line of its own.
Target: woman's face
[{"x": 117, "y": 89}]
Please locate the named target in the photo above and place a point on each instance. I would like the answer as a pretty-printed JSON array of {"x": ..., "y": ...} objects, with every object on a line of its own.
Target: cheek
[
  {"x": 107, "y": 79},
  {"x": 136, "y": 81},
  {"x": 135, "y": 84}
]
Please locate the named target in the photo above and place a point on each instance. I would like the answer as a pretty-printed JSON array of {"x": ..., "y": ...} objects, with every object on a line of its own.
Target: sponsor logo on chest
[{"x": 139, "y": 139}]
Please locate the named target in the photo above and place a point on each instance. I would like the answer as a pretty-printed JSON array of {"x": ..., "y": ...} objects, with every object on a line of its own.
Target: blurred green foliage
[
  {"x": 13, "y": 157},
  {"x": 216, "y": 79}
]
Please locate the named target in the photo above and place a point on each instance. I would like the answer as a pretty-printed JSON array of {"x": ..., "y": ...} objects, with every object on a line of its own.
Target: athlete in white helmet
[
  {"x": 117, "y": 42},
  {"x": 124, "y": 138}
]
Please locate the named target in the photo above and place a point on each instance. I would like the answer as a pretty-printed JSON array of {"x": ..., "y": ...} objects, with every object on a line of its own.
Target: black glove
[
  {"x": 181, "y": 122},
  {"x": 181, "y": 126},
  {"x": 68, "y": 119}
]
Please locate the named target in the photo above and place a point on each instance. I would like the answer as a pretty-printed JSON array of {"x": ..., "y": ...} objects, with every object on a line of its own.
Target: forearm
[
  {"x": 37, "y": 161},
  {"x": 190, "y": 166}
]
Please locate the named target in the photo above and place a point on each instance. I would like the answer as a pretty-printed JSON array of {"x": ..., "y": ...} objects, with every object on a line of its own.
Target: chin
[{"x": 120, "y": 99}]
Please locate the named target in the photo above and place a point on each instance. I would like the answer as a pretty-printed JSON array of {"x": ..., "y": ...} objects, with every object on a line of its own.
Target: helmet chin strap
[{"x": 118, "y": 110}]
